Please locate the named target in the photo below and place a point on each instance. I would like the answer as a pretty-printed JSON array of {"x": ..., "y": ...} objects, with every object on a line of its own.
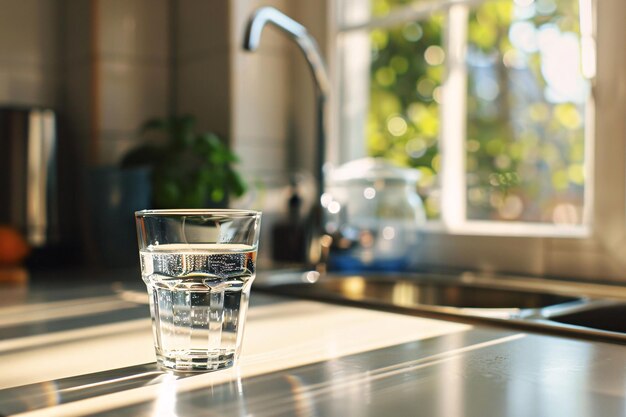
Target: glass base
[{"x": 197, "y": 361}]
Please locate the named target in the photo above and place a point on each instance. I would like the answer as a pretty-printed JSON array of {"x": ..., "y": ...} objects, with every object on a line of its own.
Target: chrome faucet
[
  {"x": 307, "y": 44},
  {"x": 310, "y": 49}
]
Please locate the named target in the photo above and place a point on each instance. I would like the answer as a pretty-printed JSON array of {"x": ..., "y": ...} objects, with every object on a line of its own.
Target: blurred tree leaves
[
  {"x": 524, "y": 148},
  {"x": 403, "y": 120}
]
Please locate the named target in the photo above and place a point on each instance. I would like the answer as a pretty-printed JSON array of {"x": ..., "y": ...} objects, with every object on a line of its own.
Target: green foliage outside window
[
  {"x": 403, "y": 121},
  {"x": 525, "y": 107}
]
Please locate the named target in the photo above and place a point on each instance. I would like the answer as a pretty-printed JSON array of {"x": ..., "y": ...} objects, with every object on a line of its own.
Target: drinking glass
[{"x": 198, "y": 266}]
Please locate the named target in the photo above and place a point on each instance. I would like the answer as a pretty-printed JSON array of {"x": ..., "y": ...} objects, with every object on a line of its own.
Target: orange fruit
[{"x": 13, "y": 246}]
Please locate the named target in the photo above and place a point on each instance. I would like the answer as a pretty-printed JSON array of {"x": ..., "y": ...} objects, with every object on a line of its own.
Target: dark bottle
[{"x": 289, "y": 236}]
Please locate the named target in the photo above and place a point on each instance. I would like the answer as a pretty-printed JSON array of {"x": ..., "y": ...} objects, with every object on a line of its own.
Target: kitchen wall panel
[
  {"x": 131, "y": 93},
  {"x": 132, "y": 54},
  {"x": 203, "y": 90},
  {"x": 29, "y": 52}
]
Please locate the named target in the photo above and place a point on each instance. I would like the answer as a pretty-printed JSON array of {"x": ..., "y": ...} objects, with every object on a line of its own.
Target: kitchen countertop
[{"x": 86, "y": 349}]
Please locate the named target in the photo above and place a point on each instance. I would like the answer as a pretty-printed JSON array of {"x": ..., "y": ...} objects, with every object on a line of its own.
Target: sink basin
[
  {"x": 424, "y": 292},
  {"x": 604, "y": 317},
  {"x": 580, "y": 309}
]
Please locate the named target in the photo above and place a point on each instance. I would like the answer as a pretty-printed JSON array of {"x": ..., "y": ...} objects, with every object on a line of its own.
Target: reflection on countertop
[{"x": 85, "y": 349}]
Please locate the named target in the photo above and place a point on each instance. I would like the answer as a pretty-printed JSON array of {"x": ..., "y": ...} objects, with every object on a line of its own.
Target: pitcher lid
[{"x": 371, "y": 170}]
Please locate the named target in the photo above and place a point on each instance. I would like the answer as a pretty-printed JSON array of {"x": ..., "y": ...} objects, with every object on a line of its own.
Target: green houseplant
[{"x": 190, "y": 169}]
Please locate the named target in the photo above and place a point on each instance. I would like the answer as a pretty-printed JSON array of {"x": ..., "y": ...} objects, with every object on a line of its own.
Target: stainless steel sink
[
  {"x": 454, "y": 294},
  {"x": 605, "y": 316},
  {"x": 564, "y": 307}
]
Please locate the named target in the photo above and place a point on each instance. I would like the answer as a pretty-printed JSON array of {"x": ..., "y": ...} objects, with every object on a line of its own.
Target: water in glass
[{"x": 198, "y": 299}]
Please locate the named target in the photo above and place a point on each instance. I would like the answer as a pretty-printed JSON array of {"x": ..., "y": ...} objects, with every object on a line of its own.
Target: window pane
[
  {"x": 407, "y": 68},
  {"x": 526, "y": 112}
]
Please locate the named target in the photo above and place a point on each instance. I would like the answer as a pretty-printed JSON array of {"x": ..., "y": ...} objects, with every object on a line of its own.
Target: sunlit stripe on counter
[
  {"x": 65, "y": 390},
  {"x": 326, "y": 332},
  {"x": 11, "y": 316}
]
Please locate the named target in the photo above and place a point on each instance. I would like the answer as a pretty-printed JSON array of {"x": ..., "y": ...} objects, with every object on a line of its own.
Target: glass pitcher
[{"x": 374, "y": 215}]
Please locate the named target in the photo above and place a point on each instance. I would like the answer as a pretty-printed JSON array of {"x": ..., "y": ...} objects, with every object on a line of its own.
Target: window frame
[{"x": 591, "y": 251}]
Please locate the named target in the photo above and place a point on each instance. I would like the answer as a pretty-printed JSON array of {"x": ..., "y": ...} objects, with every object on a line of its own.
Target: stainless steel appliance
[{"x": 29, "y": 193}]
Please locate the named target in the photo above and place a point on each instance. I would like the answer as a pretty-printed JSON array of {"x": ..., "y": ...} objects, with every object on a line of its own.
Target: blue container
[{"x": 114, "y": 195}]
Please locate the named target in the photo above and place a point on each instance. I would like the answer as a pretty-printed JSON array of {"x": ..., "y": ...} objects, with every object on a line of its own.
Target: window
[{"x": 496, "y": 103}]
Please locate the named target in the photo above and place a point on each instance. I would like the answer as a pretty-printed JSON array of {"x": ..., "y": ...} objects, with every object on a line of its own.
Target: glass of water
[{"x": 198, "y": 266}]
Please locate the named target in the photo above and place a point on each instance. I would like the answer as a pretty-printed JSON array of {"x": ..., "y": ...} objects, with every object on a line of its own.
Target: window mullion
[{"x": 453, "y": 120}]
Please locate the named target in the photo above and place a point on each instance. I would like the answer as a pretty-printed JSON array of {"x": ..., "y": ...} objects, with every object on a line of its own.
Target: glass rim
[{"x": 197, "y": 212}]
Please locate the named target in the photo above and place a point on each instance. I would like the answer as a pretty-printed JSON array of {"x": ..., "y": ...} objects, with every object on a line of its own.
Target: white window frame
[{"x": 595, "y": 250}]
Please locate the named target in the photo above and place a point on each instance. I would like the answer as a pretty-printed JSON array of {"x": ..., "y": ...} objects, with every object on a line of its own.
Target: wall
[
  {"x": 103, "y": 64},
  {"x": 117, "y": 62},
  {"x": 29, "y": 52},
  {"x": 241, "y": 96},
  {"x": 201, "y": 63},
  {"x": 133, "y": 60},
  {"x": 111, "y": 64},
  {"x": 108, "y": 65},
  {"x": 260, "y": 89}
]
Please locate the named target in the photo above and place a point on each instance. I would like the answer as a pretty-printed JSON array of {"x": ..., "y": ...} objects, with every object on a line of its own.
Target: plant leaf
[
  {"x": 236, "y": 183},
  {"x": 181, "y": 132},
  {"x": 144, "y": 155},
  {"x": 156, "y": 124},
  {"x": 192, "y": 169}
]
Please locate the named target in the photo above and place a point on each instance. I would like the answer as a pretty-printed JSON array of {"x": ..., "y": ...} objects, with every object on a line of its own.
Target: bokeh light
[{"x": 526, "y": 100}]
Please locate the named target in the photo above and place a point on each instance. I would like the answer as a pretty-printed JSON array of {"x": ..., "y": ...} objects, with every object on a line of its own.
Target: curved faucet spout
[
  {"x": 310, "y": 49},
  {"x": 297, "y": 32}
]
